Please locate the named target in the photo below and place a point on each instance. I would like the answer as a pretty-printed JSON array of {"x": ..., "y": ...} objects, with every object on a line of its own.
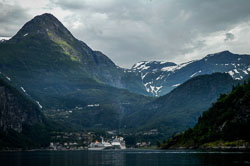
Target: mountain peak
[
  {"x": 45, "y": 25},
  {"x": 46, "y": 15},
  {"x": 226, "y": 52}
]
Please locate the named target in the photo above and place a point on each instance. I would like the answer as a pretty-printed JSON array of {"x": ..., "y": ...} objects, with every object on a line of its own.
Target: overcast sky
[{"x": 129, "y": 31}]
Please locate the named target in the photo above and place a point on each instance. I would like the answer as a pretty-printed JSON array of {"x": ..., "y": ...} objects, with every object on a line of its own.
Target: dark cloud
[
  {"x": 12, "y": 18},
  {"x": 134, "y": 30},
  {"x": 130, "y": 31}
]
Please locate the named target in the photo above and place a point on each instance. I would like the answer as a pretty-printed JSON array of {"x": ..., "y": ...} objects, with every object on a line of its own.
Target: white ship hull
[{"x": 96, "y": 148}]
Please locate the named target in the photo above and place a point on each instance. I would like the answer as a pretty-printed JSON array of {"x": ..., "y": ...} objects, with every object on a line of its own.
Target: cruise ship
[
  {"x": 117, "y": 143},
  {"x": 100, "y": 145}
]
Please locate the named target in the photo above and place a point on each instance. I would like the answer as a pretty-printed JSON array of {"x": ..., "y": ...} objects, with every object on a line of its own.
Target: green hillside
[
  {"x": 180, "y": 109},
  {"x": 225, "y": 124}
]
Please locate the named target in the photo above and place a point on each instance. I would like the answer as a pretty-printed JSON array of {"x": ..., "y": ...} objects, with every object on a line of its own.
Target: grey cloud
[
  {"x": 68, "y": 4},
  {"x": 12, "y": 18},
  {"x": 162, "y": 28},
  {"x": 134, "y": 30}
]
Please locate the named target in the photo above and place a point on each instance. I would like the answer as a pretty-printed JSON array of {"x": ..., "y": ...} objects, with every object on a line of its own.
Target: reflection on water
[{"x": 123, "y": 158}]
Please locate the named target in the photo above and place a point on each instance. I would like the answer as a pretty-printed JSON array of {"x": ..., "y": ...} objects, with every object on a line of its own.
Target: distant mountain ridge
[
  {"x": 181, "y": 108},
  {"x": 159, "y": 78}
]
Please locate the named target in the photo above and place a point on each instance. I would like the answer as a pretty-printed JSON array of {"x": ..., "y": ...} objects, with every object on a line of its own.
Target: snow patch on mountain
[
  {"x": 177, "y": 67},
  {"x": 176, "y": 85},
  {"x": 195, "y": 73},
  {"x": 169, "y": 68},
  {"x": 231, "y": 73},
  {"x": 164, "y": 74},
  {"x": 38, "y": 103},
  {"x": 143, "y": 75},
  {"x": 236, "y": 71},
  {"x": 137, "y": 65},
  {"x": 160, "y": 77},
  {"x": 23, "y": 89},
  {"x": 244, "y": 71},
  {"x": 155, "y": 90}
]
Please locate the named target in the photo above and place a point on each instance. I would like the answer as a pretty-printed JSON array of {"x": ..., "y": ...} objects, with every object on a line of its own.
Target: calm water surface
[{"x": 123, "y": 158}]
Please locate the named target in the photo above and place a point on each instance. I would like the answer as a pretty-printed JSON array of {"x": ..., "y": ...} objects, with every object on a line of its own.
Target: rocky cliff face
[{"x": 16, "y": 110}]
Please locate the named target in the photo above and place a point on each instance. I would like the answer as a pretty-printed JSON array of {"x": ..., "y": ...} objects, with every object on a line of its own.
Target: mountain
[
  {"x": 62, "y": 73},
  {"x": 181, "y": 108},
  {"x": 160, "y": 78},
  {"x": 225, "y": 124},
  {"x": 22, "y": 125},
  {"x": 45, "y": 43},
  {"x": 76, "y": 85}
]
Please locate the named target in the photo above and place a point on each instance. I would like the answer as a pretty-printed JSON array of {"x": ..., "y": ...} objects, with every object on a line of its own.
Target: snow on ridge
[
  {"x": 195, "y": 74},
  {"x": 4, "y": 38},
  {"x": 169, "y": 68},
  {"x": 138, "y": 64},
  {"x": 141, "y": 66},
  {"x": 176, "y": 85},
  {"x": 184, "y": 64},
  {"x": 176, "y": 67}
]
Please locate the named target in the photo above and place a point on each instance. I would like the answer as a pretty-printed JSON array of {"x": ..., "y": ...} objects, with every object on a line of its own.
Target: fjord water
[{"x": 123, "y": 158}]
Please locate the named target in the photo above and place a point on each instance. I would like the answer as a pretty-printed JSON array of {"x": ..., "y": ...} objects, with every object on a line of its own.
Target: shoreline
[{"x": 219, "y": 149}]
